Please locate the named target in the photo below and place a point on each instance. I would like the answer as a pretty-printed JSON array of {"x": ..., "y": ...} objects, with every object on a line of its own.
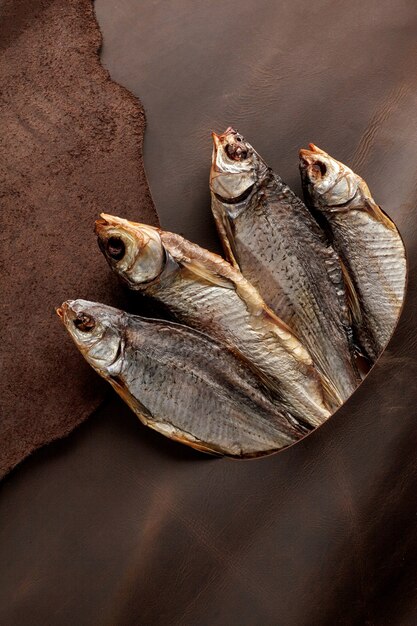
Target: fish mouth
[
  {"x": 105, "y": 221},
  {"x": 231, "y": 143},
  {"x": 223, "y": 136},
  {"x": 65, "y": 312},
  {"x": 100, "y": 225},
  {"x": 229, "y": 133},
  {"x": 62, "y": 311},
  {"x": 308, "y": 156},
  {"x": 311, "y": 153},
  {"x": 311, "y": 162},
  {"x": 234, "y": 145}
]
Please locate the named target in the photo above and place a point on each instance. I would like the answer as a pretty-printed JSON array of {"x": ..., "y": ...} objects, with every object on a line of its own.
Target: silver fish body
[
  {"x": 179, "y": 382},
  {"x": 271, "y": 236},
  {"x": 368, "y": 242},
  {"x": 205, "y": 292}
]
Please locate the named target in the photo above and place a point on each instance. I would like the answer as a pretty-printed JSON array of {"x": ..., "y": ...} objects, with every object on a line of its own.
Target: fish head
[
  {"x": 134, "y": 251},
  {"x": 236, "y": 167},
  {"x": 327, "y": 181},
  {"x": 97, "y": 330}
]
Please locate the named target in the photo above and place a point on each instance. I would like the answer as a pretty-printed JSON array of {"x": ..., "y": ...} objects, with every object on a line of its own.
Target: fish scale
[
  {"x": 227, "y": 318},
  {"x": 275, "y": 236},
  {"x": 183, "y": 360},
  {"x": 180, "y": 382},
  {"x": 295, "y": 277},
  {"x": 380, "y": 281},
  {"x": 367, "y": 241},
  {"x": 203, "y": 291}
]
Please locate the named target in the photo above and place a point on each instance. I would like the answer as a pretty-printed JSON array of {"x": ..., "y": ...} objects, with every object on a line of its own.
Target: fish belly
[
  {"x": 299, "y": 276},
  {"x": 222, "y": 314},
  {"x": 375, "y": 258},
  {"x": 190, "y": 389}
]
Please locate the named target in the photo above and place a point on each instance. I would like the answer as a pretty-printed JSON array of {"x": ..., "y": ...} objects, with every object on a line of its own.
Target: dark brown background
[
  {"x": 116, "y": 525},
  {"x": 70, "y": 146}
]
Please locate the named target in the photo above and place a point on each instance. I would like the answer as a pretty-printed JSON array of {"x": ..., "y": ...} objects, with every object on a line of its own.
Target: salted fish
[
  {"x": 204, "y": 291},
  {"x": 179, "y": 382},
  {"x": 270, "y": 235},
  {"x": 367, "y": 241}
]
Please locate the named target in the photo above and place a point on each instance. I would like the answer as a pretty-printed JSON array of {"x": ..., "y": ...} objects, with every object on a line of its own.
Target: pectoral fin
[
  {"x": 137, "y": 407},
  {"x": 200, "y": 271},
  {"x": 226, "y": 235},
  {"x": 352, "y": 296}
]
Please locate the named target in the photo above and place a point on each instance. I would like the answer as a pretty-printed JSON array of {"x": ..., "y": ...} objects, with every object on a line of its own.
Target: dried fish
[
  {"x": 203, "y": 291},
  {"x": 368, "y": 243},
  {"x": 269, "y": 233},
  {"x": 179, "y": 382}
]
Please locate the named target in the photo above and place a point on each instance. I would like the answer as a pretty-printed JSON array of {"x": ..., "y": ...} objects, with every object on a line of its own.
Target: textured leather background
[
  {"x": 70, "y": 144},
  {"x": 117, "y": 526}
]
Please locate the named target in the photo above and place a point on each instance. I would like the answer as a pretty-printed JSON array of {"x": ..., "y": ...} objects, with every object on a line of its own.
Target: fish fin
[
  {"x": 224, "y": 228},
  {"x": 352, "y": 297},
  {"x": 333, "y": 399},
  {"x": 228, "y": 243},
  {"x": 149, "y": 420},
  {"x": 265, "y": 380},
  {"x": 363, "y": 201},
  {"x": 198, "y": 446},
  {"x": 133, "y": 403},
  {"x": 378, "y": 214},
  {"x": 206, "y": 274},
  {"x": 201, "y": 263},
  {"x": 269, "y": 313},
  {"x": 176, "y": 434},
  {"x": 289, "y": 338}
]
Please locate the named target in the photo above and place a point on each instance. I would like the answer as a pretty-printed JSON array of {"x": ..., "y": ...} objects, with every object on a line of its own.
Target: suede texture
[{"x": 70, "y": 147}]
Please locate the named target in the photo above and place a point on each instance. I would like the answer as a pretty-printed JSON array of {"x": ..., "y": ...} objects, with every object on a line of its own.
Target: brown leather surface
[
  {"x": 116, "y": 525},
  {"x": 71, "y": 143}
]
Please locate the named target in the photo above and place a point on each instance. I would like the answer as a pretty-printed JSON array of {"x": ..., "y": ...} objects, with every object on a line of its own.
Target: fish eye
[
  {"x": 115, "y": 248},
  {"x": 85, "y": 323}
]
